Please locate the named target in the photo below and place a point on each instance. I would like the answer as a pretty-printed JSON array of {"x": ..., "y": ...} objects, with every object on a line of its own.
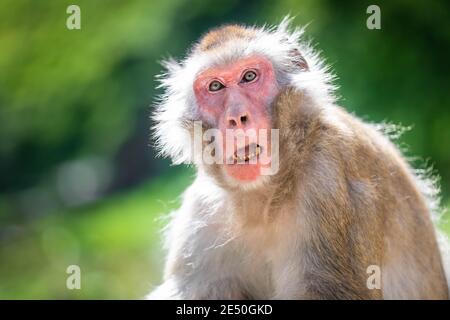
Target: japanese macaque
[{"x": 338, "y": 214}]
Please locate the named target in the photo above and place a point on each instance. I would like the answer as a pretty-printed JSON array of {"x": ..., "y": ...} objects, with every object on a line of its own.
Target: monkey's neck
[
  {"x": 251, "y": 207},
  {"x": 274, "y": 197},
  {"x": 264, "y": 204},
  {"x": 298, "y": 119}
]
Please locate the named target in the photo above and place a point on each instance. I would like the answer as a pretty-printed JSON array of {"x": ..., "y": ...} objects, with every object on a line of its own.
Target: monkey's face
[
  {"x": 236, "y": 99},
  {"x": 234, "y": 79}
]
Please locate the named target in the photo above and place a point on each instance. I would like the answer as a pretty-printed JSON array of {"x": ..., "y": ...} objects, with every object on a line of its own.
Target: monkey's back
[{"x": 386, "y": 197}]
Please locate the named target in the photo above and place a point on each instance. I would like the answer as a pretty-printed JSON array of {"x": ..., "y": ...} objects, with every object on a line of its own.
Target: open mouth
[
  {"x": 247, "y": 163},
  {"x": 247, "y": 153}
]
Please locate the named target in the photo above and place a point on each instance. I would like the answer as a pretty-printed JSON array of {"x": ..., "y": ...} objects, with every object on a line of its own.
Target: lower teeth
[{"x": 247, "y": 158}]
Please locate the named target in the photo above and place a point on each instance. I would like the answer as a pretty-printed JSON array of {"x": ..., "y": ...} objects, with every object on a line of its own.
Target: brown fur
[
  {"x": 374, "y": 213},
  {"x": 357, "y": 198},
  {"x": 222, "y": 35}
]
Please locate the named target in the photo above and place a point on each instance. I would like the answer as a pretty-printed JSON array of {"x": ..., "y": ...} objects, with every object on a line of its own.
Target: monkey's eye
[
  {"x": 249, "y": 76},
  {"x": 215, "y": 86}
]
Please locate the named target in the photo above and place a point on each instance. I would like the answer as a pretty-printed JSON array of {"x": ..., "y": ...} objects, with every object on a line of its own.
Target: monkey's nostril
[
  {"x": 243, "y": 119},
  {"x": 233, "y": 122}
]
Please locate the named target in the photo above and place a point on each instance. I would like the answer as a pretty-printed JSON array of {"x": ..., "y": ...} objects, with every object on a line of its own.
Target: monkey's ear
[{"x": 298, "y": 60}]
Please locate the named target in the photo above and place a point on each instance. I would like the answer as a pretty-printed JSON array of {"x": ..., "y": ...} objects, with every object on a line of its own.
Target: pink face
[{"x": 238, "y": 96}]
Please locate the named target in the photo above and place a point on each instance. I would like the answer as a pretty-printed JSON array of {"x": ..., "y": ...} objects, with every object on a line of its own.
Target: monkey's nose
[{"x": 238, "y": 121}]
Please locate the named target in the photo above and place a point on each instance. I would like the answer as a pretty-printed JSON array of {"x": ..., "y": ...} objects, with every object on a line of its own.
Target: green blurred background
[{"x": 79, "y": 181}]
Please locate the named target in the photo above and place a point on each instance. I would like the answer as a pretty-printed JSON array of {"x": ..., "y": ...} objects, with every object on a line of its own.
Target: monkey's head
[{"x": 222, "y": 101}]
